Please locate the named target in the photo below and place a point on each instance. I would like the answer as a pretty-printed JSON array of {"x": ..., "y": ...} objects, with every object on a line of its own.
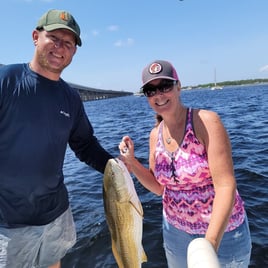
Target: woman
[{"x": 190, "y": 165}]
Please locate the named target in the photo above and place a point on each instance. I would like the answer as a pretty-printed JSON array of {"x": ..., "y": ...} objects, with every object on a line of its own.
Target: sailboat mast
[
  {"x": 215, "y": 78},
  {"x": 215, "y": 81}
]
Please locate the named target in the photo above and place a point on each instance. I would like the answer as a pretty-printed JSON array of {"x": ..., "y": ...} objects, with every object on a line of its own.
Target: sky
[{"x": 120, "y": 37}]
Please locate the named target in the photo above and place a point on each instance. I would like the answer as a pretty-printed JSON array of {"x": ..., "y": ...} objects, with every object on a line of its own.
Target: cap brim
[
  {"x": 53, "y": 27},
  {"x": 158, "y": 77}
]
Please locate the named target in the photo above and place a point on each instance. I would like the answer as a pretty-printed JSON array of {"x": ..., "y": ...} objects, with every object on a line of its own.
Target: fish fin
[
  {"x": 144, "y": 257},
  {"x": 137, "y": 205},
  {"x": 134, "y": 199}
]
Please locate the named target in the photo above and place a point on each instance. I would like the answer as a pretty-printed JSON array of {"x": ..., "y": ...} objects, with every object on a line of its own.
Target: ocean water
[{"x": 243, "y": 110}]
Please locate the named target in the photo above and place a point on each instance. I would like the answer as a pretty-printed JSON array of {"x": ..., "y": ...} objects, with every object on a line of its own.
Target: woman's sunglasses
[{"x": 164, "y": 86}]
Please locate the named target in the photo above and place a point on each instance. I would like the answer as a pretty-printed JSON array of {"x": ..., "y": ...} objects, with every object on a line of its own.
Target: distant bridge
[{"x": 89, "y": 93}]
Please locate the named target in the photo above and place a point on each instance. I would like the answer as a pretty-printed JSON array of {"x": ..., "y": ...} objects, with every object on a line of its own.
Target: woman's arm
[
  {"x": 218, "y": 147},
  {"x": 144, "y": 175}
]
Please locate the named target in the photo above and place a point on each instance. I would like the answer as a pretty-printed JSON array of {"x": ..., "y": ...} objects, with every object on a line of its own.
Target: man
[{"x": 39, "y": 115}]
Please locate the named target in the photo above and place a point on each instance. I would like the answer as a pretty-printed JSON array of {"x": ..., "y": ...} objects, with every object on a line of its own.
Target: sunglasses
[{"x": 164, "y": 86}]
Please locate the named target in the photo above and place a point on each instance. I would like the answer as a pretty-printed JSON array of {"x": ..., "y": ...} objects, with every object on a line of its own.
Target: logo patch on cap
[
  {"x": 63, "y": 16},
  {"x": 155, "y": 68}
]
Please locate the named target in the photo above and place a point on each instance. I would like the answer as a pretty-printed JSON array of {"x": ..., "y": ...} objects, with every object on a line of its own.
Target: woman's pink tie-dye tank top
[{"x": 189, "y": 191}]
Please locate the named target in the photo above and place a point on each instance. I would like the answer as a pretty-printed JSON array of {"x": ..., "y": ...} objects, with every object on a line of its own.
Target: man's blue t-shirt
[{"x": 38, "y": 118}]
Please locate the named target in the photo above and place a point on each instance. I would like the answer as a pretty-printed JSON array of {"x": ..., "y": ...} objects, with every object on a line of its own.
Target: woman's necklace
[{"x": 168, "y": 139}]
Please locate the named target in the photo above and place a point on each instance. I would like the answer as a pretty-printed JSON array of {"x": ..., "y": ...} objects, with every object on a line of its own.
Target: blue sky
[{"x": 120, "y": 37}]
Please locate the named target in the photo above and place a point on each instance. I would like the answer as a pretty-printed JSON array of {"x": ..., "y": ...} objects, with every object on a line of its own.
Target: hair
[
  {"x": 40, "y": 28},
  {"x": 158, "y": 118}
]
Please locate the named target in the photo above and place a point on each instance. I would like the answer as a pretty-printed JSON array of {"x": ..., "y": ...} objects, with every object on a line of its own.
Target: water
[{"x": 244, "y": 113}]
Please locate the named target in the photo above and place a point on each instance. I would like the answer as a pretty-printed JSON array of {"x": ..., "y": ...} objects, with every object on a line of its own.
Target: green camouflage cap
[{"x": 59, "y": 19}]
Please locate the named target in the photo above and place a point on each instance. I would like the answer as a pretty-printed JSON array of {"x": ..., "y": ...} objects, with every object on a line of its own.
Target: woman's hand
[
  {"x": 125, "y": 144},
  {"x": 143, "y": 174},
  {"x": 126, "y": 148}
]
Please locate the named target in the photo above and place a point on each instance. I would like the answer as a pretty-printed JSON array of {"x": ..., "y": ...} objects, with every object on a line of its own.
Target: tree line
[{"x": 233, "y": 83}]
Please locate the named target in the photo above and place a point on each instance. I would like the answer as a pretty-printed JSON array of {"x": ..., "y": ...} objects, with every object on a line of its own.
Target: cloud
[
  {"x": 264, "y": 68},
  {"x": 95, "y": 32},
  {"x": 124, "y": 43},
  {"x": 118, "y": 43},
  {"x": 112, "y": 28}
]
